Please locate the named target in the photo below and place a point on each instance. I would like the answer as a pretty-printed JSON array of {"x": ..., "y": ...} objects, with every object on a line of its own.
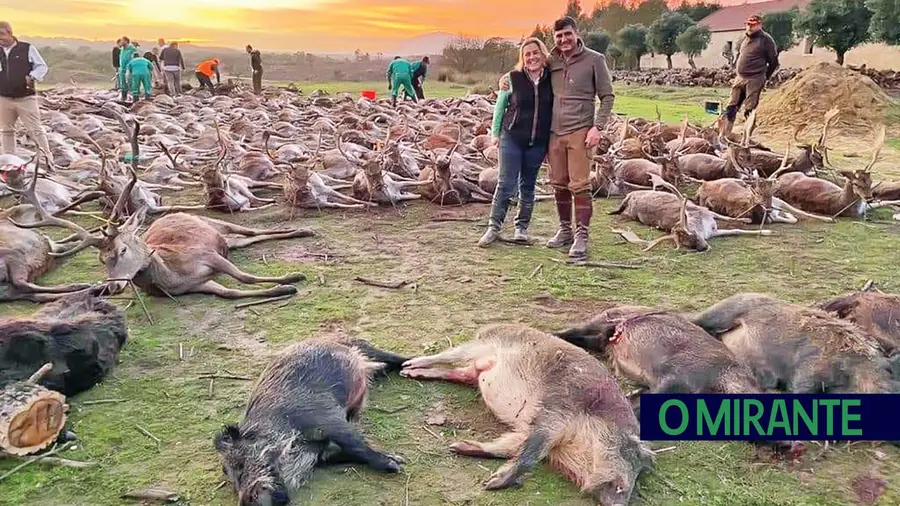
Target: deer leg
[
  {"x": 224, "y": 266},
  {"x": 225, "y": 227},
  {"x": 729, "y": 219},
  {"x": 408, "y": 196},
  {"x": 243, "y": 190},
  {"x": 61, "y": 289},
  {"x": 213, "y": 288},
  {"x": 504, "y": 447},
  {"x": 336, "y": 194},
  {"x": 338, "y": 205},
  {"x": 784, "y": 206},
  {"x": 883, "y": 203},
  {"x": 243, "y": 242},
  {"x": 464, "y": 352},
  {"x": 81, "y": 199},
  {"x": 737, "y": 231},
  {"x": 176, "y": 209}
]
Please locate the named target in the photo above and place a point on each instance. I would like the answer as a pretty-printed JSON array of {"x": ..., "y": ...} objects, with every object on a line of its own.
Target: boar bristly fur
[
  {"x": 299, "y": 416},
  {"x": 561, "y": 404}
]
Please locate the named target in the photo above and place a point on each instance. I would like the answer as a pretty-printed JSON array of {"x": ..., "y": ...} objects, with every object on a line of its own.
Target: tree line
[{"x": 626, "y": 31}]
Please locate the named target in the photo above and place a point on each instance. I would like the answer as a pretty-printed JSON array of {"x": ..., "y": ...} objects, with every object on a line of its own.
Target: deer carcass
[
  {"x": 373, "y": 184},
  {"x": 560, "y": 402},
  {"x": 443, "y": 187},
  {"x": 306, "y": 188},
  {"x": 25, "y": 255},
  {"x": 688, "y": 225},
  {"x": 798, "y": 349}
]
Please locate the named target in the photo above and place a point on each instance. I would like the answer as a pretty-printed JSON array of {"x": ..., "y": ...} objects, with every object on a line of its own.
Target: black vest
[
  {"x": 15, "y": 69},
  {"x": 530, "y": 109}
]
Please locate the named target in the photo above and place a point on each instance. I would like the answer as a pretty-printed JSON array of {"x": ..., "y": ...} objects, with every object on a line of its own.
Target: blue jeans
[{"x": 519, "y": 166}]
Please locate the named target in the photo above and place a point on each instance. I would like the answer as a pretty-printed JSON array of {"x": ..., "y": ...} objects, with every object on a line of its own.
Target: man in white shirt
[{"x": 21, "y": 66}]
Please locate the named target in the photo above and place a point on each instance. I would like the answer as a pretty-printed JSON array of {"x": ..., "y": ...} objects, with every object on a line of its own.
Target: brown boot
[
  {"x": 584, "y": 208},
  {"x": 563, "y": 236}
]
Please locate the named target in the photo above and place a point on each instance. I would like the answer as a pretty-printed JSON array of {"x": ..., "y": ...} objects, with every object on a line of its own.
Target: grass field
[{"x": 458, "y": 287}]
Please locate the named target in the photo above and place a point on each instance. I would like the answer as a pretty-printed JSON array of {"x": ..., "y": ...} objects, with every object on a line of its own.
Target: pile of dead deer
[{"x": 738, "y": 181}]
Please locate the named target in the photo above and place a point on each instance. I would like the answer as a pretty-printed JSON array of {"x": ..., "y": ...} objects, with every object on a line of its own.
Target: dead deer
[
  {"x": 819, "y": 196},
  {"x": 25, "y": 255},
  {"x": 306, "y": 188},
  {"x": 753, "y": 196},
  {"x": 688, "y": 225},
  {"x": 446, "y": 188},
  {"x": 182, "y": 253},
  {"x": 372, "y": 183},
  {"x": 798, "y": 349}
]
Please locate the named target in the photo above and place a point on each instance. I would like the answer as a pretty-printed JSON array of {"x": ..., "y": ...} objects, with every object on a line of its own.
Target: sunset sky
[{"x": 311, "y": 25}]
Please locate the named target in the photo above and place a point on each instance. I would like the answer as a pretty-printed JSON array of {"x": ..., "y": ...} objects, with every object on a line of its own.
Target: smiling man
[{"x": 579, "y": 76}]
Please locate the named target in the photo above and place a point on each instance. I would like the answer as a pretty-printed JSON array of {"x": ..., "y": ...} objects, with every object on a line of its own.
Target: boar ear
[{"x": 226, "y": 439}]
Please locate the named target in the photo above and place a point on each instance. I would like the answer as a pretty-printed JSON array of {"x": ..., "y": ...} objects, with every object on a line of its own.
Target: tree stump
[{"x": 31, "y": 416}]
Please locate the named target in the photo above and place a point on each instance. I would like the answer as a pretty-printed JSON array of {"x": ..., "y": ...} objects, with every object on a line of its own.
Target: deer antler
[
  {"x": 829, "y": 117},
  {"x": 876, "y": 153},
  {"x": 47, "y": 220},
  {"x": 784, "y": 163},
  {"x": 315, "y": 156},
  {"x": 458, "y": 141},
  {"x": 338, "y": 137}
]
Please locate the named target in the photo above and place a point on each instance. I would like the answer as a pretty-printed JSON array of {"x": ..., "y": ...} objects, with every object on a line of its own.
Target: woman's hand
[{"x": 504, "y": 82}]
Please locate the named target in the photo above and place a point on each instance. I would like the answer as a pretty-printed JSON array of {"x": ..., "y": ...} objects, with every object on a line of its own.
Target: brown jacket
[
  {"x": 577, "y": 83},
  {"x": 757, "y": 56}
]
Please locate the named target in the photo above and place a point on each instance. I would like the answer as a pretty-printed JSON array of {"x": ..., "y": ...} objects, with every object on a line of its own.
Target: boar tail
[{"x": 392, "y": 362}]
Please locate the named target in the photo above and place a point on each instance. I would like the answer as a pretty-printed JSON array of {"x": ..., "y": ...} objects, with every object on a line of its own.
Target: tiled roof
[{"x": 729, "y": 19}]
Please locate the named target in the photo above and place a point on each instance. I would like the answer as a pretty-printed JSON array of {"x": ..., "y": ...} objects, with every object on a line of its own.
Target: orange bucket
[{"x": 370, "y": 94}]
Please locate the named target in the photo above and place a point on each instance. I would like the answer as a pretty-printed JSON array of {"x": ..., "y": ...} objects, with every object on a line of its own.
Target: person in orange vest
[{"x": 205, "y": 72}]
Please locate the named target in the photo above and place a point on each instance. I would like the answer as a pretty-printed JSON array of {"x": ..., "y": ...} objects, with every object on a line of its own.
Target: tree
[
  {"x": 598, "y": 41},
  {"x": 885, "y": 20},
  {"x": 839, "y": 25},
  {"x": 693, "y": 42},
  {"x": 663, "y": 32},
  {"x": 544, "y": 33},
  {"x": 698, "y": 10},
  {"x": 632, "y": 41},
  {"x": 463, "y": 54},
  {"x": 574, "y": 10},
  {"x": 613, "y": 56},
  {"x": 780, "y": 25}
]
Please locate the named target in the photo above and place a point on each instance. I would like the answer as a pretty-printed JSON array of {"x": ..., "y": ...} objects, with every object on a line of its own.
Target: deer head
[
  {"x": 682, "y": 234},
  {"x": 861, "y": 180},
  {"x": 122, "y": 251}
]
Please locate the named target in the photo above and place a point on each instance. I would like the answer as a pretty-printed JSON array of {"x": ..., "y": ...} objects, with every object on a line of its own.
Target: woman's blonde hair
[{"x": 520, "y": 65}]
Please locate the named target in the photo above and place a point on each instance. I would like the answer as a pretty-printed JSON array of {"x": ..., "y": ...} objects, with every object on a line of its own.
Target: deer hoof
[{"x": 293, "y": 278}]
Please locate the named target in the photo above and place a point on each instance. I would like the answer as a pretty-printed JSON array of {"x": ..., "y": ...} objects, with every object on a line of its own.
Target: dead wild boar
[
  {"x": 662, "y": 351},
  {"x": 560, "y": 402},
  {"x": 875, "y": 313},
  {"x": 80, "y": 334},
  {"x": 298, "y": 417},
  {"x": 798, "y": 349}
]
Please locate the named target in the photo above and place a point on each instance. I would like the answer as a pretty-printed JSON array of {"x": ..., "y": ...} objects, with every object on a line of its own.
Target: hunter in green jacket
[{"x": 399, "y": 73}]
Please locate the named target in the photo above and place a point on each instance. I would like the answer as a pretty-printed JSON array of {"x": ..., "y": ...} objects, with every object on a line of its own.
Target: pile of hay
[{"x": 805, "y": 99}]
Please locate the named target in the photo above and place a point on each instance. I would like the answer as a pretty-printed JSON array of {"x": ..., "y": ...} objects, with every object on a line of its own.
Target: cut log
[{"x": 31, "y": 416}]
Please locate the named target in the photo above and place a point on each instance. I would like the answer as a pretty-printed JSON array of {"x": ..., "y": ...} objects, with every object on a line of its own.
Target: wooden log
[{"x": 31, "y": 416}]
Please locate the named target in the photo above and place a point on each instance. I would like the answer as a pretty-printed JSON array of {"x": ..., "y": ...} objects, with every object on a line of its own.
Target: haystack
[{"x": 806, "y": 98}]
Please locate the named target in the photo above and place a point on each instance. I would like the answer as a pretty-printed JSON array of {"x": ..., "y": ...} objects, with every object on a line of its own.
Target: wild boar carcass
[
  {"x": 298, "y": 417},
  {"x": 560, "y": 402}
]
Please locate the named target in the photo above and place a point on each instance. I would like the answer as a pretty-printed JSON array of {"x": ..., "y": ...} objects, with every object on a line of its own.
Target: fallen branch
[
  {"x": 35, "y": 459},
  {"x": 264, "y": 301},
  {"x": 148, "y": 434},
  {"x": 56, "y": 461},
  {"x": 152, "y": 494},
  {"x": 536, "y": 271},
  {"x": 605, "y": 265},
  {"x": 381, "y": 284},
  {"x": 102, "y": 401},
  {"x": 224, "y": 376},
  {"x": 431, "y": 432},
  {"x": 443, "y": 219}
]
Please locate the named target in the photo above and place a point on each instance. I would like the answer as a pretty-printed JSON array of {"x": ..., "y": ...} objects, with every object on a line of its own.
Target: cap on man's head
[{"x": 754, "y": 20}]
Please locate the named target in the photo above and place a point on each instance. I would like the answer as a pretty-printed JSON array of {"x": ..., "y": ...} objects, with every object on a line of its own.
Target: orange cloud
[{"x": 295, "y": 25}]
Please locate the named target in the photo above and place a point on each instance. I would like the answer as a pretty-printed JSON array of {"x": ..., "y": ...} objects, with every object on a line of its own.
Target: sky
[{"x": 294, "y": 25}]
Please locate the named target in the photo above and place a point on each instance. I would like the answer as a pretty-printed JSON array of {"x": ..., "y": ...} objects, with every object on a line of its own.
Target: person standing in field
[
  {"x": 521, "y": 128},
  {"x": 172, "y": 65},
  {"x": 140, "y": 72},
  {"x": 419, "y": 71},
  {"x": 204, "y": 74},
  {"x": 399, "y": 73},
  {"x": 757, "y": 61},
  {"x": 21, "y": 66},
  {"x": 115, "y": 60},
  {"x": 579, "y": 76},
  {"x": 255, "y": 68},
  {"x": 153, "y": 56},
  {"x": 125, "y": 56}
]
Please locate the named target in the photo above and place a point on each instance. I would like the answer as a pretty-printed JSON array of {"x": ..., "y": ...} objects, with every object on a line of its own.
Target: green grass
[{"x": 458, "y": 288}]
